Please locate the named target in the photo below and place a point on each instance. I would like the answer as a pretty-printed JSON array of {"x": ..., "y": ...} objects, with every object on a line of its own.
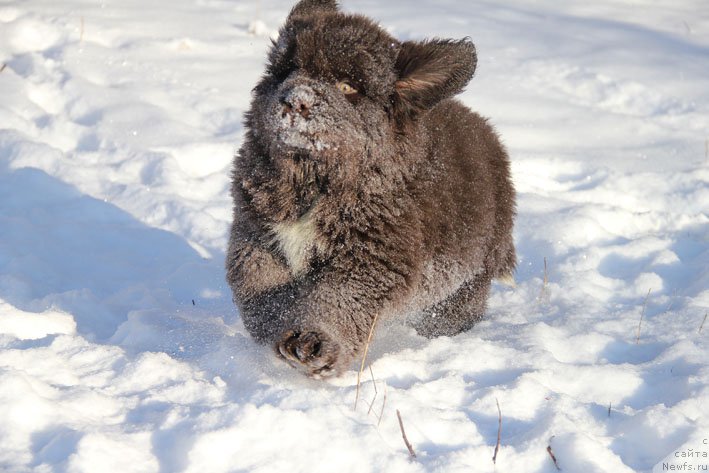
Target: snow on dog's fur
[{"x": 362, "y": 190}]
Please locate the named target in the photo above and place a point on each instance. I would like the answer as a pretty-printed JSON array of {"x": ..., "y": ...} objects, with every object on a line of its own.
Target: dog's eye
[{"x": 346, "y": 88}]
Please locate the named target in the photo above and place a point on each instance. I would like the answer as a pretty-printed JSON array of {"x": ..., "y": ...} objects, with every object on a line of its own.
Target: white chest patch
[{"x": 296, "y": 241}]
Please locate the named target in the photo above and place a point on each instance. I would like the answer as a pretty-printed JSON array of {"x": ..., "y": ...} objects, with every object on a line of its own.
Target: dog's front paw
[{"x": 311, "y": 351}]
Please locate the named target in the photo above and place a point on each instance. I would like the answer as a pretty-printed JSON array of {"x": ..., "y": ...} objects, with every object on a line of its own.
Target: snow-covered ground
[{"x": 120, "y": 350}]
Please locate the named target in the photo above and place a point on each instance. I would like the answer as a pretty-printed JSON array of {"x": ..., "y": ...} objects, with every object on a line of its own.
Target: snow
[{"x": 120, "y": 349}]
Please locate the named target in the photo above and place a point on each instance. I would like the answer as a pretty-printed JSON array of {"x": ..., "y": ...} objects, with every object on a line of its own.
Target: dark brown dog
[{"x": 363, "y": 190}]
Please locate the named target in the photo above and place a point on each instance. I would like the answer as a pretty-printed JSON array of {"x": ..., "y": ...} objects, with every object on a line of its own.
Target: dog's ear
[
  {"x": 429, "y": 72},
  {"x": 311, "y": 7}
]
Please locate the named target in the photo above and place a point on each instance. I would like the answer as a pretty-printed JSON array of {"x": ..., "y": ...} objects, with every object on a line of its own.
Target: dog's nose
[{"x": 299, "y": 100}]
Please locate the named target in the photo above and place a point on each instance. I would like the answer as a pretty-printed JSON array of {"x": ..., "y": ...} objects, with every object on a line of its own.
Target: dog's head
[{"x": 338, "y": 86}]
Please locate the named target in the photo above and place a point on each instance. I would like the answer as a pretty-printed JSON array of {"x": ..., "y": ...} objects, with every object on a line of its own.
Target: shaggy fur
[{"x": 362, "y": 190}]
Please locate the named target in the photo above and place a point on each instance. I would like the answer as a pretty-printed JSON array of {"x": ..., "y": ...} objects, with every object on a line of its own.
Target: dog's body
[{"x": 362, "y": 189}]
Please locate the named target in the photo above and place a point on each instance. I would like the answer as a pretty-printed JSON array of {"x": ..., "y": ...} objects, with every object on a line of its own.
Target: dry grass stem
[
  {"x": 364, "y": 359},
  {"x": 546, "y": 274},
  {"x": 545, "y": 283},
  {"x": 705, "y": 319},
  {"x": 403, "y": 434},
  {"x": 642, "y": 314},
  {"x": 499, "y": 432},
  {"x": 384, "y": 402},
  {"x": 374, "y": 383},
  {"x": 672, "y": 300},
  {"x": 2, "y": 67},
  {"x": 609, "y": 409}
]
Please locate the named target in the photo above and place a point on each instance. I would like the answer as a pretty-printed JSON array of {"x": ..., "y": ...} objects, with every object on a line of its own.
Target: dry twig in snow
[
  {"x": 642, "y": 314},
  {"x": 403, "y": 434},
  {"x": 542, "y": 293},
  {"x": 705, "y": 319},
  {"x": 499, "y": 432},
  {"x": 551, "y": 454}
]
